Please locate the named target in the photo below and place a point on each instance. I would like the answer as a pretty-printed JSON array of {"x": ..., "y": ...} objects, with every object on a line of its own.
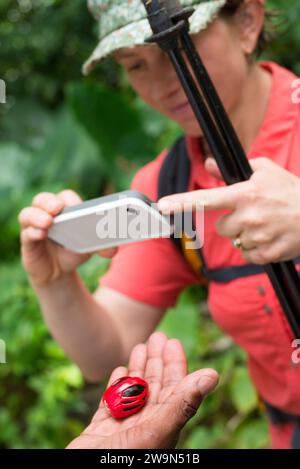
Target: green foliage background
[{"x": 60, "y": 130}]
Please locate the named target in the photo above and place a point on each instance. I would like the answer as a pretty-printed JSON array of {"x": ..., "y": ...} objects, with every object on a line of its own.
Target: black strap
[
  {"x": 175, "y": 171},
  {"x": 228, "y": 274},
  {"x": 173, "y": 179},
  {"x": 278, "y": 417}
]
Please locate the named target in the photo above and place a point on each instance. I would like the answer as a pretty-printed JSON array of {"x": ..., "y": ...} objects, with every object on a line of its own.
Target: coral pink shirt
[{"x": 247, "y": 309}]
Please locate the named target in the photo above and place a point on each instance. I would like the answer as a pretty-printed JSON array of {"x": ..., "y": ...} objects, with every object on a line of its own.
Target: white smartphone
[{"x": 109, "y": 221}]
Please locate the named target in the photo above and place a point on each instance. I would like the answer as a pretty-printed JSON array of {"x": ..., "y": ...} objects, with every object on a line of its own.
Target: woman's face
[{"x": 152, "y": 75}]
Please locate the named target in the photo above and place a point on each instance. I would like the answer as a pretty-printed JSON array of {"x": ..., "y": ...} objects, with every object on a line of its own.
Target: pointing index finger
[{"x": 209, "y": 199}]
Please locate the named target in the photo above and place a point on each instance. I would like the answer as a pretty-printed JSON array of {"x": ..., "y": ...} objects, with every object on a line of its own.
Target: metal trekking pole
[{"x": 170, "y": 26}]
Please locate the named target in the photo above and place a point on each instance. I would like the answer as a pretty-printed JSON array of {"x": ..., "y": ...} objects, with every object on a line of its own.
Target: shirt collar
[{"x": 278, "y": 123}]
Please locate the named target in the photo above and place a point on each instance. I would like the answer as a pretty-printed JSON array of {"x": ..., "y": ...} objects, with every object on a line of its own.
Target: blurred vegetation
[{"x": 60, "y": 130}]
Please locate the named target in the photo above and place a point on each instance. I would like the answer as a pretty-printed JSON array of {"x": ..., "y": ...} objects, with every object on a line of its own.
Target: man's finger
[
  {"x": 175, "y": 367},
  {"x": 210, "y": 199},
  {"x": 154, "y": 365},
  {"x": 116, "y": 374},
  {"x": 137, "y": 361}
]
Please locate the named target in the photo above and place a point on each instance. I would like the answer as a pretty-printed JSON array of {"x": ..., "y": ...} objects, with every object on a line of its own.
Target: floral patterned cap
[{"x": 123, "y": 23}]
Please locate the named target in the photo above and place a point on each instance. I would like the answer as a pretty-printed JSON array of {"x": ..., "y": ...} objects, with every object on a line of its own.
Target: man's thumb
[
  {"x": 207, "y": 382},
  {"x": 190, "y": 394}
]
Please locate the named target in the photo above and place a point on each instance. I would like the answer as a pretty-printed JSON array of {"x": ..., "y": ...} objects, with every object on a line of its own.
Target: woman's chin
[
  {"x": 189, "y": 126},
  {"x": 192, "y": 130}
]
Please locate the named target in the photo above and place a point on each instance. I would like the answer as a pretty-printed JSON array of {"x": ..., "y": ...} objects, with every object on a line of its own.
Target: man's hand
[
  {"x": 264, "y": 211},
  {"x": 174, "y": 398}
]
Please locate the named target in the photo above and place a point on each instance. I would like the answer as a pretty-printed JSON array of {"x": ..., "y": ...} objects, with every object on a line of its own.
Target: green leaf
[
  {"x": 242, "y": 392},
  {"x": 252, "y": 435}
]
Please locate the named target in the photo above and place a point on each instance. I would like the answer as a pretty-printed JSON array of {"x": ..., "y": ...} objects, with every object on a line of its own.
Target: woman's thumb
[
  {"x": 212, "y": 168},
  {"x": 108, "y": 253}
]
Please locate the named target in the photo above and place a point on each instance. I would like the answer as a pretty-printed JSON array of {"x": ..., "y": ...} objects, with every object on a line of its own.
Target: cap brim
[{"x": 136, "y": 33}]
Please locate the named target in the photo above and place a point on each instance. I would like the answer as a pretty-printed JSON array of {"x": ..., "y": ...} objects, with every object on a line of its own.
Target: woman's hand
[
  {"x": 174, "y": 398},
  {"x": 45, "y": 261},
  {"x": 264, "y": 211}
]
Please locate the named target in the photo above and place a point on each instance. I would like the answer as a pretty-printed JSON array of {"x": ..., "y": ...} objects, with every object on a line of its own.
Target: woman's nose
[{"x": 165, "y": 84}]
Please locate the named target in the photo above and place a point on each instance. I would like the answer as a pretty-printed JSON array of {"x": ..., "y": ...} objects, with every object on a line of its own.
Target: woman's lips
[{"x": 181, "y": 111}]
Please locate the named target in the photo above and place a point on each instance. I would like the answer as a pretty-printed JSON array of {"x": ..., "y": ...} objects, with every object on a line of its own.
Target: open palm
[{"x": 174, "y": 397}]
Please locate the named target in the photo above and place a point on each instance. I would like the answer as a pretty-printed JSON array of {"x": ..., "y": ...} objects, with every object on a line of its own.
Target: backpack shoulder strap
[
  {"x": 175, "y": 171},
  {"x": 174, "y": 178}
]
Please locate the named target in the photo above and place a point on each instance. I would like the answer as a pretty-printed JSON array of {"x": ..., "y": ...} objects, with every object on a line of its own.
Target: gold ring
[{"x": 237, "y": 243}]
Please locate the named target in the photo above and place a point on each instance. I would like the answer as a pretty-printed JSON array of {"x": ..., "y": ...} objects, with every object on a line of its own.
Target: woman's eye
[{"x": 135, "y": 67}]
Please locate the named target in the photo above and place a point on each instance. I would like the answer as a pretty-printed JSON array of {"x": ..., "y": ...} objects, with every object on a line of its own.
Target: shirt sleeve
[{"x": 152, "y": 271}]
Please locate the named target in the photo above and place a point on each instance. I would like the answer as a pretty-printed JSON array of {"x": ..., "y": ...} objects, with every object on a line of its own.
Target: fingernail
[{"x": 205, "y": 383}]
